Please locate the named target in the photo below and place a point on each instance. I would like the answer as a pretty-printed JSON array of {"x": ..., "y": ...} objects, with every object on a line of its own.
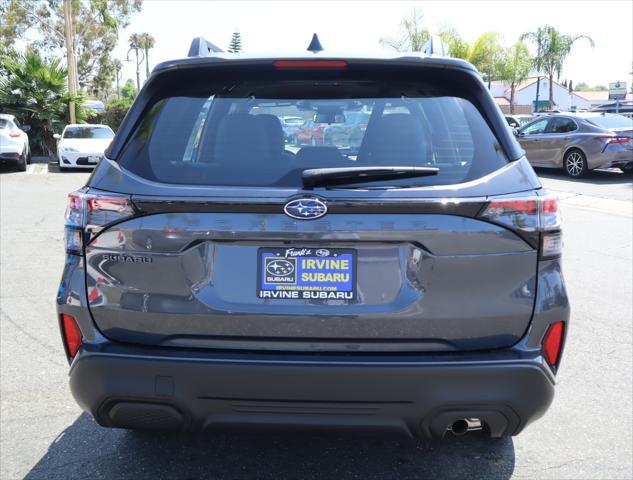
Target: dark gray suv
[{"x": 217, "y": 277}]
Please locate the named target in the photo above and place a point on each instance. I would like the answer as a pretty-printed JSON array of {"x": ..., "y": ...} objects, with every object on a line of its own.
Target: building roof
[
  {"x": 502, "y": 101},
  {"x": 599, "y": 95}
]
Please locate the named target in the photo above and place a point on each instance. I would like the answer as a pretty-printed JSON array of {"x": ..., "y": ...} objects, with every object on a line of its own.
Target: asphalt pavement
[{"x": 586, "y": 434}]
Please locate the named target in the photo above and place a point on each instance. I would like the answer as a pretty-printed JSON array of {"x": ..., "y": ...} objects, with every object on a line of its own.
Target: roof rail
[
  {"x": 202, "y": 48},
  {"x": 435, "y": 46}
]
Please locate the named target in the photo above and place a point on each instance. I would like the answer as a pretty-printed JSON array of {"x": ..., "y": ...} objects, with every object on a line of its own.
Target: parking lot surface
[{"x": 586, "y": 434}]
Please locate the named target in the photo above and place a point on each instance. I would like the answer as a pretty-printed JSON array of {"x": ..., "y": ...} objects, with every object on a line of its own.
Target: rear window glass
[
  {"x": 3, "y": 123},
  {"x": 611, "y": 121},
  {"x": 88, "y": 132},
  {"x": 240, "y": 141}
]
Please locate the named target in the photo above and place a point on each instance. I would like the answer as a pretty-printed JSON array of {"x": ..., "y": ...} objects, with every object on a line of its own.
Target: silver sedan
[{"x": 579, "y": 142}]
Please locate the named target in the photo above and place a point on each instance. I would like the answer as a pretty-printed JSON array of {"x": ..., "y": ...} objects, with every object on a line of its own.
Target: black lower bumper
[{"x": 419, "y": 397}]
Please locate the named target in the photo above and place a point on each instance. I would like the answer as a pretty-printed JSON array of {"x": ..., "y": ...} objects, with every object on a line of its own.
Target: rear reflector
[
  {"x": 552, "y": 343},
  {"x": 72, "y": 335},
  {"x": 299, "y": 64}
]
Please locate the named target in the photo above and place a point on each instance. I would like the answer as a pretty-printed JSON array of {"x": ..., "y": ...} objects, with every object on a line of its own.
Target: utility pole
[{"x": 70, "y": 58}]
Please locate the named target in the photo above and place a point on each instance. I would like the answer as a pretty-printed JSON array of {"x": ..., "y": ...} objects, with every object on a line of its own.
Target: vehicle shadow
[
  {"x": 8, "y": 167},
  {"x": 53, "y": 167},
  {"x": 85, "y": 450},
  {"x": 596, "y": 177}
]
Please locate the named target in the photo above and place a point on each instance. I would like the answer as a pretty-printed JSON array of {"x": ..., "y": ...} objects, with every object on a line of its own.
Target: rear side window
[
  {"x": 233, "y": 140},
  {"x": 561, "y": 125}
]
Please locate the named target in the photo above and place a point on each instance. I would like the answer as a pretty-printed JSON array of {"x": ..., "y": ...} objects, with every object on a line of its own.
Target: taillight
[
  {"x": 553, "y": 343},
  {"x": 14, "y": 133},
  {"x": 89, "y": 213},
  {"x": 608, "y": 140},
  {"x": 71, "y": 335},
  {"x": 530, "y": 215},
  {"x": 311, "y": 64}
]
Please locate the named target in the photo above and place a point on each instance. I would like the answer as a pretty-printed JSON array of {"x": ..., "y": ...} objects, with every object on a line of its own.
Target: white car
[
  {"x": 82, "y": 145},
  {"x": 14, "y": 142}
]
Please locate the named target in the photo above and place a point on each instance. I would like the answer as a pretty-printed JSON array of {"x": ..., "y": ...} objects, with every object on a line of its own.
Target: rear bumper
[{"x": 418, "y": 396}]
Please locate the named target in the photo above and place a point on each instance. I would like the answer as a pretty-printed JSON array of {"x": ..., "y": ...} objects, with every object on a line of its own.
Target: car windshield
[
  {"x": 233, "y": 141},
  {"x": 88, "y": 132},
  {"x": 611, "y": 121}
]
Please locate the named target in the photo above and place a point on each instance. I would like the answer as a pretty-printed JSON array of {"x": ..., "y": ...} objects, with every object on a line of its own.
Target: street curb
[{"x": 588, "y": 202}]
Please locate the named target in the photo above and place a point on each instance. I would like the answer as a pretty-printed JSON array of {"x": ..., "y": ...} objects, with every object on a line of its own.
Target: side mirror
[
  {"x": 57, "y": 136},
  {"x": 515, "y": 130},
  {"x": 26, "y": 128}
]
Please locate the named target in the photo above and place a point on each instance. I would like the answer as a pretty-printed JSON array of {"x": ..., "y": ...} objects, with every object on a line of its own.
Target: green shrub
[{"x": 115, "y": 111}]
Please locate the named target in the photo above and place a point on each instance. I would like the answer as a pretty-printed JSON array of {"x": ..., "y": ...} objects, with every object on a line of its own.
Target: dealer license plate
[{"x": 306, "y": 273}]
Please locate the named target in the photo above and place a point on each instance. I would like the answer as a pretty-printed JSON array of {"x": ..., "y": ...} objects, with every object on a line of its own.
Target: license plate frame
[{"x": 331, "y": 273}]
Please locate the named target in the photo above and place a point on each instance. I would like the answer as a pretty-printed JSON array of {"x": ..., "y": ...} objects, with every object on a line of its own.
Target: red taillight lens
[
  {"x": 609, "y": 139},
  {"x": 299, "y": 64},
  {"x": 553, "y": 342},
  {"x": 14, "y": 133},
  {"x": 72, "y": 335},
  {"x": 89, "y": 213},
  {"x": 530, "y": 215}
]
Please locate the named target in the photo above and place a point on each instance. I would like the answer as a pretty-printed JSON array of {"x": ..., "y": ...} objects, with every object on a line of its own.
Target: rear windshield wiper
[{"x": 324, "y": 177}]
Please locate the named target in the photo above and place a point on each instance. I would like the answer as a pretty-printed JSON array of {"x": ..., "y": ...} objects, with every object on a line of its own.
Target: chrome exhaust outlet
[{"x": 464, "y": 425}]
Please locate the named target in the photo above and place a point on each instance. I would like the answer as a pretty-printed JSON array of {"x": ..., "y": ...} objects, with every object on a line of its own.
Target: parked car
[
  {"x": 349, "y": 133},
  {"x": 516, "y": 121},
  {"x": 415, "y": 287},
  {"x": 579, "y": 142},
  {"x": 310, "y": 133},
  {"x": 623, "y": 107},
  {"x": 96, "y": 106},
  {"x": 82, "y": 145},
  {"x": 290, "y": 125},
  {"x": 14, "y": 142}
]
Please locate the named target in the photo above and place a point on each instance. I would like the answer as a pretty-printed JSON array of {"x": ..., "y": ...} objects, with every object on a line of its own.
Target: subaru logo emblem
[{"x": 305, "y": 208}]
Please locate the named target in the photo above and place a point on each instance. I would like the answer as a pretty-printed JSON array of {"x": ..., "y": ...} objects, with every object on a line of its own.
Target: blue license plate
[{"x": 306, "y": 273}]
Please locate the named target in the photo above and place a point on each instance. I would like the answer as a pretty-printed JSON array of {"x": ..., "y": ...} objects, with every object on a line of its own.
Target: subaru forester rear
[{"x": 219, "y": 275}]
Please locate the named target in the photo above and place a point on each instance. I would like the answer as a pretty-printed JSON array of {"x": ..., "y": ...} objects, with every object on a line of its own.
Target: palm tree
[
  {"x": 36, "y": 91},
  {"x": 552, "y": 49},
  {"x": 147, "y": 42},
  {"x": 413, "y": 34},
  {"x": 514, "y": 67}
]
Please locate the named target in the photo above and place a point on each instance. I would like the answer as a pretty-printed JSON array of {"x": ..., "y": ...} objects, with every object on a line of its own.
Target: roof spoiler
[
  {"x": 436, "y": 46},
  {"x": 202, "y": 48}
]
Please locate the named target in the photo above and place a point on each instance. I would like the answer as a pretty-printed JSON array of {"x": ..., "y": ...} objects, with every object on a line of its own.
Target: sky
[{"x": 357, "y": 26}]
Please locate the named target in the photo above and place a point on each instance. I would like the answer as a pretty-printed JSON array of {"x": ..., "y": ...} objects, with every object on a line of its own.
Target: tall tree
[
  {"x": 552, "y": 49},
  {"x": 486, "y": 54},
  {"x": 412, "y": 36},
  {"x": 145, "y": 42},
  {"x": 95, "y": 26},
  {"x": 514, "y": 67},
  {"x": 135, "y": 42},
  {"x": 35, "y": 90},
  {"x": 236, "y": 42},
  {"x": 457, "y": 46}
]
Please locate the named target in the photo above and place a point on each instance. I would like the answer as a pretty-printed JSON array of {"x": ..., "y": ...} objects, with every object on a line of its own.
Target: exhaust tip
[{"x": 459, "y": 427}]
